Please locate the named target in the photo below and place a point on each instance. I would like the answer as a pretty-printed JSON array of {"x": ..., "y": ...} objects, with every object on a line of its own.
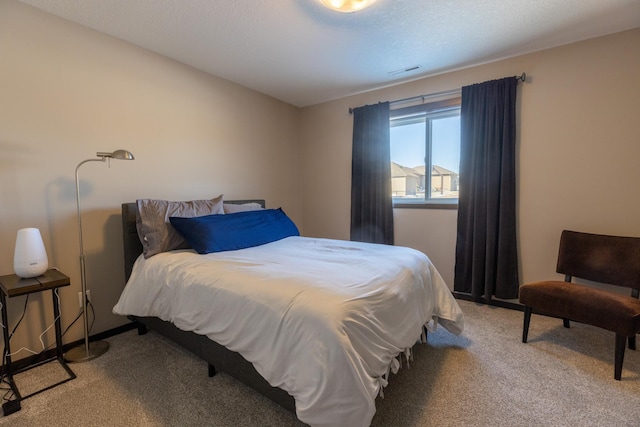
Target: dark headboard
[{"x": 132, "y": 245}]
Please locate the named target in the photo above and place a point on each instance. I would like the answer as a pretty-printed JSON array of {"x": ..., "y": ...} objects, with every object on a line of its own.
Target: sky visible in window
[{"x": 408, "y": 144}]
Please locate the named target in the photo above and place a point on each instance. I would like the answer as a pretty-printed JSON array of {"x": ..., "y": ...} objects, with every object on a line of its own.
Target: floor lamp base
[{"x": 80, "y": 354}]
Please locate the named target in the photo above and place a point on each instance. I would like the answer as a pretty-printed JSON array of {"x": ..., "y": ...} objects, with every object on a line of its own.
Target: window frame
[{"x": 431, "y": 108}]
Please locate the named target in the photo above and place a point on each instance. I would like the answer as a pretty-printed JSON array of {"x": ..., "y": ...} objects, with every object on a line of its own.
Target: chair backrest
[{"x": 613, "y": 260}]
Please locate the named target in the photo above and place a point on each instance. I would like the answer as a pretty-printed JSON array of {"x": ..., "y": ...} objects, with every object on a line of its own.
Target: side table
[{"x": 13, "y": 286}]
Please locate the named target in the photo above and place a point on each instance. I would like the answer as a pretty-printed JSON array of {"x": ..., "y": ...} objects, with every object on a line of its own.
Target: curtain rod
[{"x": 522, "y": 77}]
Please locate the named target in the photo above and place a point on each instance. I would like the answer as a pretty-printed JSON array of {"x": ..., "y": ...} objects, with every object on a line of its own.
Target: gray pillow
[
  {"x": 156, "y": 232},
  {"x": 230, "y": 208}
]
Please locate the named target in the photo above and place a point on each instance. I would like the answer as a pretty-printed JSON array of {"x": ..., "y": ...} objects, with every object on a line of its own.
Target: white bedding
[{"x": 322, "y": 319}]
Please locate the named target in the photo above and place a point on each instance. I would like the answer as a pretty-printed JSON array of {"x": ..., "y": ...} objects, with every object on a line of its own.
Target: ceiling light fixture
[{"x": 347, "y": 6}]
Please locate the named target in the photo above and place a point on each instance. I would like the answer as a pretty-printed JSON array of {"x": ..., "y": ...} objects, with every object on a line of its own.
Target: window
[{"x": 426, "y": 138}]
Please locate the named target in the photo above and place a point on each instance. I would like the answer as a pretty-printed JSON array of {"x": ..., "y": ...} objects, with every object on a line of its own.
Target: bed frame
[{"x": 217, "y": 356}]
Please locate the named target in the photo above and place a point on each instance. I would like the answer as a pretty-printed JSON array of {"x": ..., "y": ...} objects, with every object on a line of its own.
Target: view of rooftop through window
[{"x": 423, "y": 142}]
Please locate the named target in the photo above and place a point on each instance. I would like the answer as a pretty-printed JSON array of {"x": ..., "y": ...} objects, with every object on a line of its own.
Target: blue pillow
[{"x": 218, "y": 233}]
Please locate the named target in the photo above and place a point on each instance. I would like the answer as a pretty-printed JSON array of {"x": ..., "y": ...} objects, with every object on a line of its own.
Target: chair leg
[
  {"x": 525, "y": 327},
  {"x": 621, "y": 342},
  {"x": 565, "y": 323},
  {"x": 632, "y": 343}
]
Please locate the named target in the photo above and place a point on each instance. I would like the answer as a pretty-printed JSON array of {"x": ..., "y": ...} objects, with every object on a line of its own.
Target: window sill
[{"x": 423, "y": 205}]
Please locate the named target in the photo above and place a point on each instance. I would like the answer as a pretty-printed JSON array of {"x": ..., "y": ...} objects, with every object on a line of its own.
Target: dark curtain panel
[
  {"x": 486, "y": 249},
  {"x": 371, "y": 203}
]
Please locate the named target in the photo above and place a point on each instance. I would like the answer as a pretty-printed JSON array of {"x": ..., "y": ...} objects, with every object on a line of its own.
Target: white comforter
[{"x": 322, "y": 319}]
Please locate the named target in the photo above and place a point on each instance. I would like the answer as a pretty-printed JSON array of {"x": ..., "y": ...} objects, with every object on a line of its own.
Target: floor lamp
[{"x": 90, "y": 350}]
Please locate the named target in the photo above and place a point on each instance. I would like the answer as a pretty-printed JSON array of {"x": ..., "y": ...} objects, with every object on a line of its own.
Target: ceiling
[{"x": 301, "y": 53}]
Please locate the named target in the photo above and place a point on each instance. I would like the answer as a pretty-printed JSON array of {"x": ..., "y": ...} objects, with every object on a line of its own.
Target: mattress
[{"x": 323, "y": 319}]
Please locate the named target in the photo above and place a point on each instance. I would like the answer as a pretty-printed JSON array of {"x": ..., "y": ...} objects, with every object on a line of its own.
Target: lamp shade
[
  {"x": 118, "y": 154},
  {"x": 30, "y": 257}
]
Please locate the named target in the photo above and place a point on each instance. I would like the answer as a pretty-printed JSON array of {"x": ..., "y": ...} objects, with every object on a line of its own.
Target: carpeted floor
[{"x": 485, "y": 377}]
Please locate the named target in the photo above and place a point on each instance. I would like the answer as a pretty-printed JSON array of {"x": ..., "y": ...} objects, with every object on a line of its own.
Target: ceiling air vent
[{"x": 404, "y": 70}]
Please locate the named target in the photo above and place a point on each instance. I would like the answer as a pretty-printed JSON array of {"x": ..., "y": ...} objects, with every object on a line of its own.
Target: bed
[{"x": 287, "y": 332}]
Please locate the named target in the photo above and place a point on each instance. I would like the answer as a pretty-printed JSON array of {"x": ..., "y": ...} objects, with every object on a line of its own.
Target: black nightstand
[{"x": 13, "y": 286}]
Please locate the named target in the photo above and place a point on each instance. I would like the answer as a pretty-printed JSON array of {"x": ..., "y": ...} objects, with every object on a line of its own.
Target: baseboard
[
  {"x": 492, "y": 301},
  {"x": 500, "y": 303},
  {"x": 30, "y": 360},
  {"x": 110, "y": 333}
]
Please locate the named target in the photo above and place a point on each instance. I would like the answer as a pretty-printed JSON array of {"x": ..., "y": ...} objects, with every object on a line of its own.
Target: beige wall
[
  {"x": 578, "y": 115},
  {"x": 67, "y": 92}
]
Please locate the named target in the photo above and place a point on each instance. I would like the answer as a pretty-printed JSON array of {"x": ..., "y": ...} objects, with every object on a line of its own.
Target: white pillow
[
  {"x": 156, "y": 232},
  {"x": 230, "y": 208}
]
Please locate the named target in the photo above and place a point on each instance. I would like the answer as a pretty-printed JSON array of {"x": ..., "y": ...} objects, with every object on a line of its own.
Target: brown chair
[{"x": 612, "y": 260}]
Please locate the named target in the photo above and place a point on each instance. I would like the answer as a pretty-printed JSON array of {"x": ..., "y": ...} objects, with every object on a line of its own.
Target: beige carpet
[{"x": 485, "y": 377}]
